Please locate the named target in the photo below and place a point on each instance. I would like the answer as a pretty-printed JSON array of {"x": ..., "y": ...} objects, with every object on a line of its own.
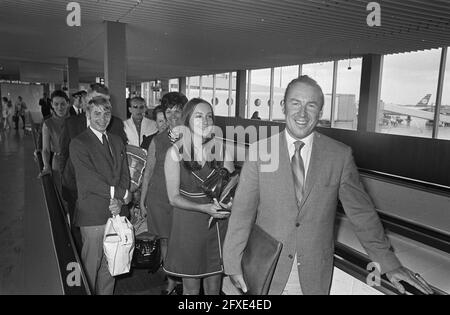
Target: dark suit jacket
[
  {"x": 72, "y": 111},
  {"x": 266, "y": 195},
  {"x": 73, "y": 126},
  {"x": 95, "y": 173}
]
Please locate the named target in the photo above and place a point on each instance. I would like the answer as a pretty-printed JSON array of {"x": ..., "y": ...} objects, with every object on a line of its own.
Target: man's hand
[
  {"x": 115, "y": 206},
  {"x": 128, "y": 199},
  {"x": 414, "y": 279},
  {"x": 238, "y": 282}
]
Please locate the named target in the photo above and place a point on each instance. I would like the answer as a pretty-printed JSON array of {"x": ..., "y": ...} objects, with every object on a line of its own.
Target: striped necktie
[{"x": 298, "y": 171}]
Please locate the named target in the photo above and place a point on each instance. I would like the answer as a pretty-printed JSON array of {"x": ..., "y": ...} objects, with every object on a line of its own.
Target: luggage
[
  {"x": 118, "y": 245},
  {"x": 147, "y": 253},
  {"x": 137, "y": 159}
]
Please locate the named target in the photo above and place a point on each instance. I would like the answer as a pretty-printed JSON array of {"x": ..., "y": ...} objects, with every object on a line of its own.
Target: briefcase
[{"x": 259, "y": 261}]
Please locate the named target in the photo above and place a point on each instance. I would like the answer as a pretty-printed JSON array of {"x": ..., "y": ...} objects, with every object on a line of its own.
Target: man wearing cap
[{"x": 79, "y": 102}]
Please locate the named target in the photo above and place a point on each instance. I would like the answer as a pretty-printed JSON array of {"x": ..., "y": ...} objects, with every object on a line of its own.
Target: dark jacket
[
  {"x": 95, "y": 173},
  {"x": 74, "y": 126}
]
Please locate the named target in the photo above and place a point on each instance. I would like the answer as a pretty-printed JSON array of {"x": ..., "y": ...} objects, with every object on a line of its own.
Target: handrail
[
  {"x": 68, "y": 258},
  {"x": 355, "y": 263},
  {"x": 407, "y": 182},
  {"x": 414, "y": 231}
]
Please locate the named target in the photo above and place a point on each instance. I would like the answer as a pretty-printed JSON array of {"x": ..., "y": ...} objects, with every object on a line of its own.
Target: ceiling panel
[{"x": 187, "y": 37}]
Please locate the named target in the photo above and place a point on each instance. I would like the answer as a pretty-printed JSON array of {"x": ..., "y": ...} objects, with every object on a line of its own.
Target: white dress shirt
[
  {"x": 293, "y": 286},
  {"x": 148, "y": 127},
  {"x": 305, "y": 152},
  {"x": 77, "y": 110}
]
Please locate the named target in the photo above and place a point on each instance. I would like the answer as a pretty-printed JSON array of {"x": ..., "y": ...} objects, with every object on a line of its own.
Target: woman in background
[
  {"x": 195, "y": 251},
  {"x": 51, "y": 131},
  {"x": 154, "y": 193},
  {"x": 21, "y": 108},
  {"x": 3, "y": 107},
  {"x": 9, "y": 115},
  {"x": 159, "y": 116}
]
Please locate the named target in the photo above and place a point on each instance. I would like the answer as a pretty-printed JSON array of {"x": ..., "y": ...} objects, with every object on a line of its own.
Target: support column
[
  {"x": 116, "y": 67},
  {"x": 164, "y": 87},
  {"x": 333, "y": 94},
  {"x": 438, "y": 104},
  {"x": 369, "y": 97},
  {"x": 73, "y": 75},
  {"x": 241, "y": 87},
  {"x": 182, "y": 85}
]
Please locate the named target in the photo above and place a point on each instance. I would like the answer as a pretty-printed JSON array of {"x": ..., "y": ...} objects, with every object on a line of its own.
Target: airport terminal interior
[{"x": 383, "y": 66}]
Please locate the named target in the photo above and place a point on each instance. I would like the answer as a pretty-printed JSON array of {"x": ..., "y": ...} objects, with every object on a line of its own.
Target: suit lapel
[{"x": 315, "y": 162}]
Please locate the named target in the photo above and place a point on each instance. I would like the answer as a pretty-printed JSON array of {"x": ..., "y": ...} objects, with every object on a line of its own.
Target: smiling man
[
  {"x": 296, "y": 204},
  {"x": 137, "y": 127},
  {"x": 102, "y": 178}
]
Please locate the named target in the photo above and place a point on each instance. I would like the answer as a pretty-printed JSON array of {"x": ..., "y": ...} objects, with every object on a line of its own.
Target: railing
[
  {"x": 74, "y": 283},
  {"x": 354, "y": 263}
]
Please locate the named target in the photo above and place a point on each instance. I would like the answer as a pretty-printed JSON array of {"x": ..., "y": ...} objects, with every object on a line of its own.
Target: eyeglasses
[{"x": 136, "y": 107}]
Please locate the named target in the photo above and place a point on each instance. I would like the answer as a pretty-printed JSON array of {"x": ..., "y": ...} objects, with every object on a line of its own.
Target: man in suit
[
  {"x": 137, "y": 126},
  {"x": 79, "y": 103},
  {"x": 296, "y": 201},
  {"x": 102, "y": 177},
  {"x": 46, "y": 106},
  {"x": 73, "y": 126}
]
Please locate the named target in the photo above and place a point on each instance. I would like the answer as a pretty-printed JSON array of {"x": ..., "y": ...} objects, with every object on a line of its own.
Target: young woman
[
  {"x": 51, "y": 131},
  {"x": 195, "y": 247}
]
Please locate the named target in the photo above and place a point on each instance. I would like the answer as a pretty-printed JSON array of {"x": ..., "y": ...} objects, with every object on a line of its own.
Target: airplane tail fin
[{"x": 424, "y": 101}]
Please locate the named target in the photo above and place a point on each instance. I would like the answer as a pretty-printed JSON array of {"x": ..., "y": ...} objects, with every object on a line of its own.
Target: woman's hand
[
  {"x": 45, "y": 171},
  {"x": 215, "y": 210},
  {"x": 227, "y": 207},
  {"x": 142, "y": 205}
]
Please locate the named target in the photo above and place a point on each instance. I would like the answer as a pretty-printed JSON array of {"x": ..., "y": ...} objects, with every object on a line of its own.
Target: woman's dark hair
[
  {"x": 188, "y": 110},
  {"x": 173, "y": 99},
  {"x": 5, "y": 99},
  {"x": 59, "y": 93},
  {"x": 158, "y": 109}
]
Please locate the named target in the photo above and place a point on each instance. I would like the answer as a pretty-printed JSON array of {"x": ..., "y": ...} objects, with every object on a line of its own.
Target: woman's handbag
[
  {"x": 147, "y": 254},
  {"x": 221, "y": 185}
]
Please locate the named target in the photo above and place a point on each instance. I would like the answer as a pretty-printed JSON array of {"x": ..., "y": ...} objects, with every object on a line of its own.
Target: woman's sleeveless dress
[
  {"x": 194, "y": 250},
  {"x": 159, "y": 214}
]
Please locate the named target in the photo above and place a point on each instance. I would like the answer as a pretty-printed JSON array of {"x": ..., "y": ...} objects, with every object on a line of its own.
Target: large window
[
  {"x": 347, "y": 94},
  {"x": 193, "y": 87},
  {"x": 225, "y": 94},
  {"x": 174, "y": 85},
  {"x": 323, "y": 74},
  {"x": 208, "y": 88},
  {"x": 259, "y": 94},
  {"x": 408, "y": 93},
  {"x": 282, "y": 77},
  {"x": 444, "y": 126}
]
